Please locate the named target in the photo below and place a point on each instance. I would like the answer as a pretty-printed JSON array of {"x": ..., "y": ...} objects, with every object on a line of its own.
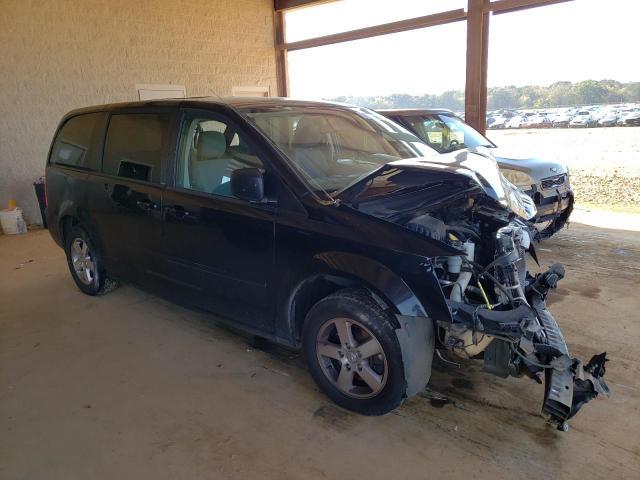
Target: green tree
[
  {"x": 589, "y": 91},
  {"x": 557, "y": 94},
  {"x": 631, "y": 92},
  {"x": 501, "y": 97}
]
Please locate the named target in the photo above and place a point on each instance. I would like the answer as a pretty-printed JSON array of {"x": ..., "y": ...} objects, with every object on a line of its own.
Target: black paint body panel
[{"x": 243, "y": 261}]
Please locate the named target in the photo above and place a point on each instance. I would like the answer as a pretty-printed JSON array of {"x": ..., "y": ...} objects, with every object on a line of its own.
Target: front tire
[
  {"x": 353, "y": 353},
  {"x": 85, "y": 263}
]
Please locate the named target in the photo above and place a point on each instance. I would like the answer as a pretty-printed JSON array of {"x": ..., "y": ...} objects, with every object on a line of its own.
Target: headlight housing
[{"x": 518, "y": 178}]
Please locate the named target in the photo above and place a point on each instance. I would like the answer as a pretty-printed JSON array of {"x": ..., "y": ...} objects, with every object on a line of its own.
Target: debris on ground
[{"x": 24, "y": 263}]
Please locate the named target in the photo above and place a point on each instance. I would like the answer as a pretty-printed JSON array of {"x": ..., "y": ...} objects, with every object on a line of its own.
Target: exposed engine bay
[{"x": 498, "y": 308}]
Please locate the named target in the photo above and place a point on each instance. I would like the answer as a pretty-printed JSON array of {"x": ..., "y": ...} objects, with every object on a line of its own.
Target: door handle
[
  {"x": 177, "y": 211},
  {"x": 146, "y": 205}
]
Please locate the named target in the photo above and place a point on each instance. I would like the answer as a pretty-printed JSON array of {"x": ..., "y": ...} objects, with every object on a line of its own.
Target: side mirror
[{"x": 247, "y": 184}]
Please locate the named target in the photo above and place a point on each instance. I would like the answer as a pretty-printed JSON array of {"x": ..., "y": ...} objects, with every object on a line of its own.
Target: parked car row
[
  {"x": 323, "y": 227},
  {"x": 584, "y": 117}
]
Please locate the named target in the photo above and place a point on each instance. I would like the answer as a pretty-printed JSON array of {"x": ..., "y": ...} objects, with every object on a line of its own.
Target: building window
[
  {"x": 157, "y": 92},
  {"x": 250, "y": 91}
]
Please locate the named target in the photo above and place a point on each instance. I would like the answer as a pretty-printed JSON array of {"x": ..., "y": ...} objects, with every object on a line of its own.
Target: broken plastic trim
[
  {"x": 569, "y": 384},
  {"x": 528, "y": 340}
]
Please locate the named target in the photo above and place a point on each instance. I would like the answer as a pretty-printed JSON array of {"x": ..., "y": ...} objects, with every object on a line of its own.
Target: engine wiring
[
  {"x": 532, "y": 362},
  {"x": 476, "y": 269},
  {"x": 467, "y": 231},
  {"x": 484, "y": 295},
  {"x": 494, "y": 263}
]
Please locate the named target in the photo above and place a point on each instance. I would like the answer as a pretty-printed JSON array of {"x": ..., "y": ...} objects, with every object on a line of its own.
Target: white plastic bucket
[{"x": 12, "y": 222}]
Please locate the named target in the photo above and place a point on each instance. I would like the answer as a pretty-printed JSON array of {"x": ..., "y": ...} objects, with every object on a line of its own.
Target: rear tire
[
  {"x": 85, "y": 263},
  {"x": 353, "y": 353}
]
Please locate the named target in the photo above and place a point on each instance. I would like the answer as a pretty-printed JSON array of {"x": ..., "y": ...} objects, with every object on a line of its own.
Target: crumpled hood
[
  {"x": 535, "y": 166},
  {"x": 462, "y": 169}
]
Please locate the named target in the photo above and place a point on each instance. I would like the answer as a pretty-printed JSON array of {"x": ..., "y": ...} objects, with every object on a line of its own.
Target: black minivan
[{"x": 319, "y": 226}]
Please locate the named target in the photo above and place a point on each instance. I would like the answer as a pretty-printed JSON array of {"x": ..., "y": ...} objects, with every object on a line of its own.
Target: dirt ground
[
  {"x": 130, "y": 386},
  {"x": 604, "y": 163}
]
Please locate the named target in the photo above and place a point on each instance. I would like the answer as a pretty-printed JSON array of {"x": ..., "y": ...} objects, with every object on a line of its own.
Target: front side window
[
  {"x": 77, "y": 142},
  {"x": 136, "y": 144},
  {"x": 210, "y": 150},
  {"x": 446, "y": 133},
  {"x": 332, "y": 147}
]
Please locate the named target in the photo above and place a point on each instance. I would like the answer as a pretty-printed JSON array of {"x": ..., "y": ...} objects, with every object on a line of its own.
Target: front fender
[
  {"x": 417, "y": 341},
  {"x": 375, "y": 274},
  {"x": 416, "y": 330}
]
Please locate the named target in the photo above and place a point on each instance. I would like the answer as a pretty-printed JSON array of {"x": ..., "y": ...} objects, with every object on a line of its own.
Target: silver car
[
  {"x": 583, "y": 119},
  {"x": 545, "y": 181}
]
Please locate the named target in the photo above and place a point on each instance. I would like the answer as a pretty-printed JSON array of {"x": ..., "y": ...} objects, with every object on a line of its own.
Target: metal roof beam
[
  {"x": 377, "y": 30},
  {"x": 506, "y": 6},
  {"x": 279, "y": 5}
]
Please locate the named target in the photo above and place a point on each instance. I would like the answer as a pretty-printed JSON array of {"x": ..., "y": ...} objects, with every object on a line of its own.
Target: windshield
[
  {"x": 446, "y": 133},
  {"x": 331, "y": 147}
]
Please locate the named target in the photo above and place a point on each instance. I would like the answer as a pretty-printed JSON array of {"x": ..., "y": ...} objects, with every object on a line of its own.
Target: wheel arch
[
  {"x": 72, "y": 215},
  {"x": 337, "y": 270},
  {"x": 61, "y": 219},
  {"x": 66, "y": 223}
]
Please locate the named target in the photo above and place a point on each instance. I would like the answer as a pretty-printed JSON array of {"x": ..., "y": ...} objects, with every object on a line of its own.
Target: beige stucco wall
[{"x": 56, "y": 55}]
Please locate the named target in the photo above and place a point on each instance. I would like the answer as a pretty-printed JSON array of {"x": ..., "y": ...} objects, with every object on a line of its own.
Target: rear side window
[
  {"x": 135, "y": 145},
  {"x": 77, "y": 143}
]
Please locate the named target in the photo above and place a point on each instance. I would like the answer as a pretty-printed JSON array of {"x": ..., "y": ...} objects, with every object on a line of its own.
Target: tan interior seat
[
  {"x": 311, "y": 149},
  {"x": 210, "y": 165}
]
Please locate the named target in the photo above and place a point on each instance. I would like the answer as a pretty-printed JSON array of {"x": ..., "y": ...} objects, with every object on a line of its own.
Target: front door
[{"x": 219, "y": 249}]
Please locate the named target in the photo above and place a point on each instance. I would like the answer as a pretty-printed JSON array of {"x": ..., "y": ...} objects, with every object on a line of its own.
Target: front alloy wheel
[
  {"x": 351, "y": 357},
  {"x": 353, "y": 354}
]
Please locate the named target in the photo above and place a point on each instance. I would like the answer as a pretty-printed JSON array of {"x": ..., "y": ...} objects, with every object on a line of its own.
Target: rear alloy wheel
[
  {"x": 353, "y": 353},
  {"x": 85, "y": 263}
]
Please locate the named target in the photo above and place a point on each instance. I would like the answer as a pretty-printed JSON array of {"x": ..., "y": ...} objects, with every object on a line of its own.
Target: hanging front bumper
[
  {"x": 569, "y": 384},
  {"x": 527, "y": 341}
]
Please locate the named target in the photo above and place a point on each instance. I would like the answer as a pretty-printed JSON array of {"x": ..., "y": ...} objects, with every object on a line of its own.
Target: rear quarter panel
[{"x": 66, "y": 193}]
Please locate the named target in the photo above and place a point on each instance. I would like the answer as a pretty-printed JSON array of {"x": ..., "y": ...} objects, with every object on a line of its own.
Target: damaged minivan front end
[{"x": 495, "y": 307}]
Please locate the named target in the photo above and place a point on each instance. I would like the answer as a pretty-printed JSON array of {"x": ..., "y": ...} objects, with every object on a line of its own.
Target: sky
[{"x": 573, "y": 41}]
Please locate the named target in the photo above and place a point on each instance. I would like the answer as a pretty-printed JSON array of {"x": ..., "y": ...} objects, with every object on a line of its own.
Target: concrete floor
[{"x": 130, "y": 386}]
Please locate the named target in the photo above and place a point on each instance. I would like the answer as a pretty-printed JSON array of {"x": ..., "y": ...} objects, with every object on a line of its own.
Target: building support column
[
  {"x": 282, "y": 63},
  {"x": 475, "y": 100}
]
